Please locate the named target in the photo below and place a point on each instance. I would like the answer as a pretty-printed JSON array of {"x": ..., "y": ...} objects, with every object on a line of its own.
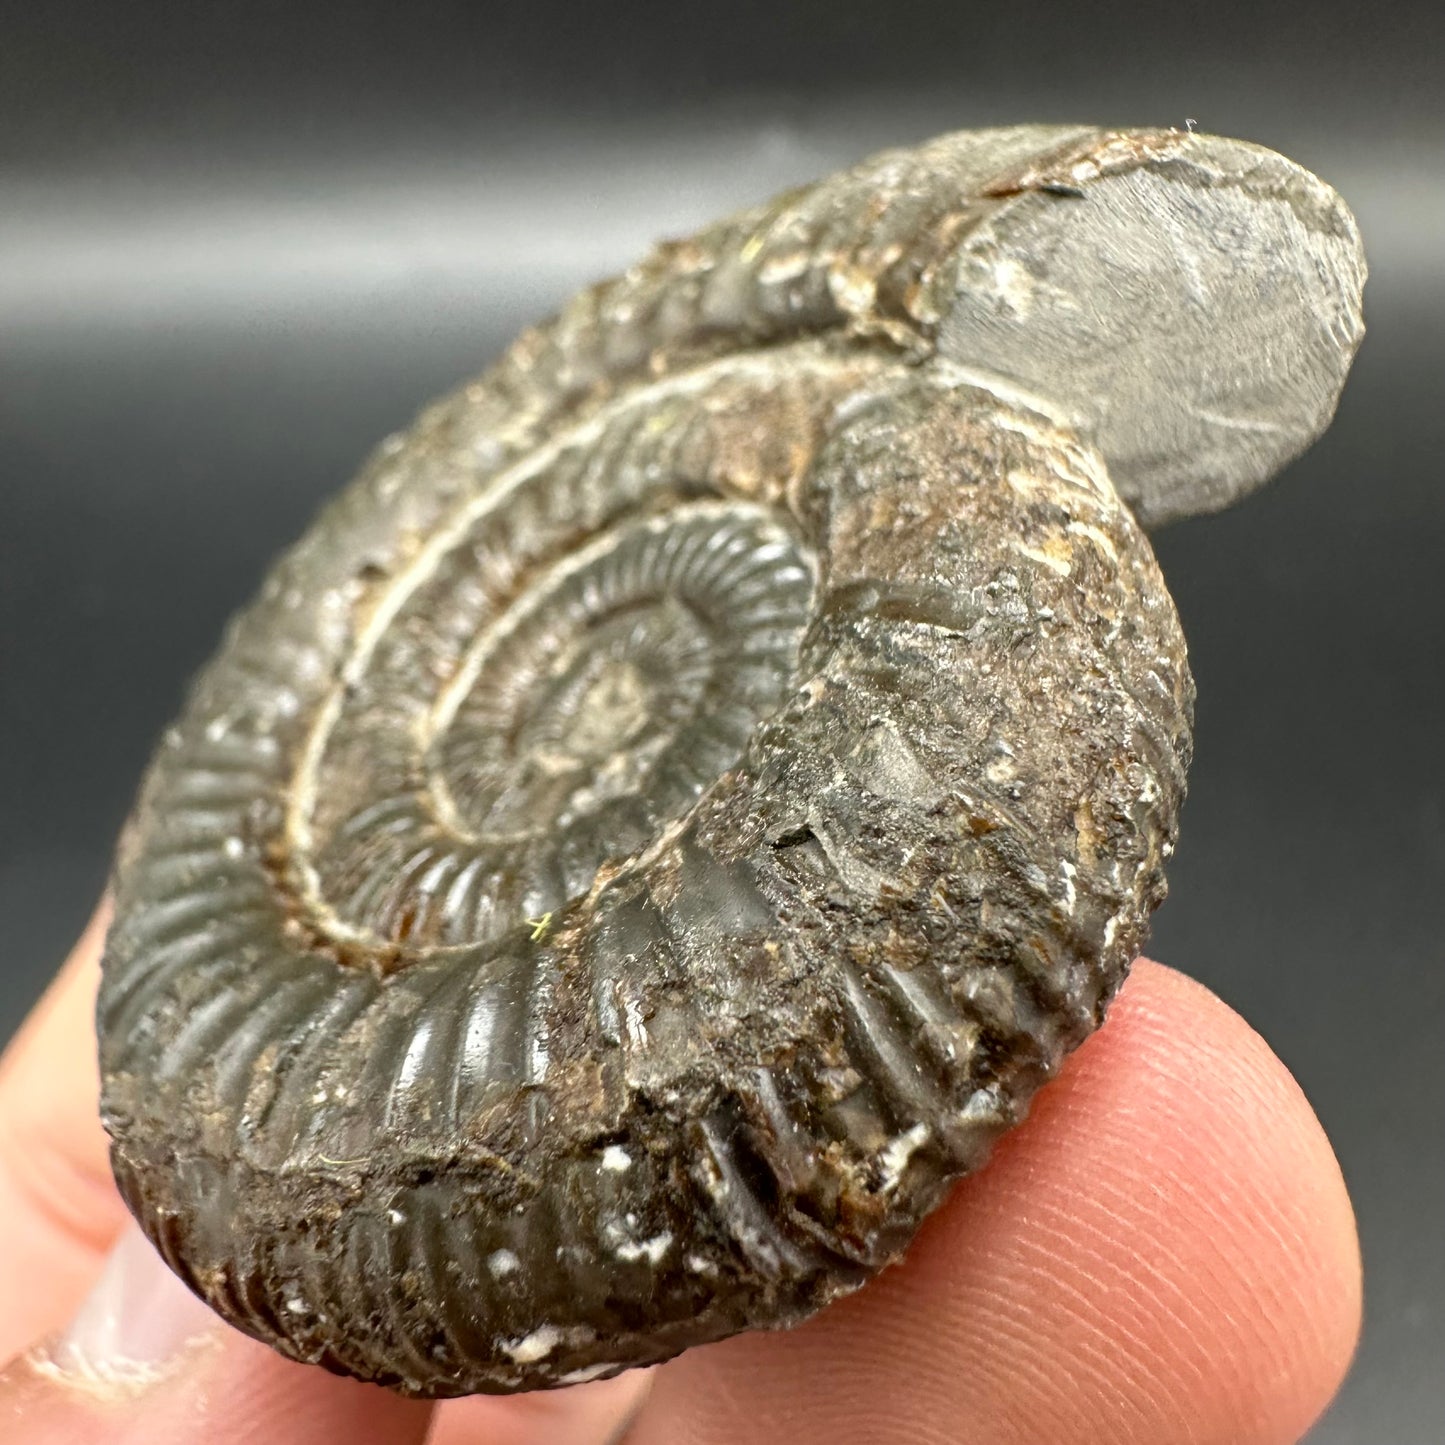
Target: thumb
[{"x": 145, "y": 1361}]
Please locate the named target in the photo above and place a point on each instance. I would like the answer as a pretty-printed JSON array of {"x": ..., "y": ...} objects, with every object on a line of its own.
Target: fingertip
[
  {"x": 1175, "y": 1201},
  {"x": 1164, "y": 1252}
]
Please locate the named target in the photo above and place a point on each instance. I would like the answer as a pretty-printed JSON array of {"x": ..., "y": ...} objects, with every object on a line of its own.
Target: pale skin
[{"x": 1164, "y": 1254}]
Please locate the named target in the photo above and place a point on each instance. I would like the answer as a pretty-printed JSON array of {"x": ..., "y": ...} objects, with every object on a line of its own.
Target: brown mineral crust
[{"x": 664, "y": 821}]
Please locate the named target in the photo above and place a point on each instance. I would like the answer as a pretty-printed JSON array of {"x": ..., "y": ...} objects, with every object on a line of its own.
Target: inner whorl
[{"x": 492, "y": 750}]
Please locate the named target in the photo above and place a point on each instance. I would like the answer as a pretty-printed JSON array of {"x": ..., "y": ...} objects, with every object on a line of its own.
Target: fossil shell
[{"x": 669, "y": 814}]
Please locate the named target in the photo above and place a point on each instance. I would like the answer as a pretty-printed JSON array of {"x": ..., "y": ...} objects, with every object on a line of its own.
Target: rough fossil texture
[{"x": 669, "y": 814}]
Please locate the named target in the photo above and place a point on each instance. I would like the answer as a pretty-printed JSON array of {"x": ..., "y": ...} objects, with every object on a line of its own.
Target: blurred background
[{"x": 239, "y": 243}]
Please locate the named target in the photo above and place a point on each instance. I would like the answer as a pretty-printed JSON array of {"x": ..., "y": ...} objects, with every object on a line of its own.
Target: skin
[{"x": 1164, "y": 1253}]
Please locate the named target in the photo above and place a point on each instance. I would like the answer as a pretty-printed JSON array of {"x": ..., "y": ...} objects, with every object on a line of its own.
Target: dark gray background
[{"x": 240, "y": 243}]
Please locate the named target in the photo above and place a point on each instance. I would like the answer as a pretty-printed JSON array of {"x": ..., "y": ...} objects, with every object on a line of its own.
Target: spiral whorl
[{"x": 579, "y": 715}]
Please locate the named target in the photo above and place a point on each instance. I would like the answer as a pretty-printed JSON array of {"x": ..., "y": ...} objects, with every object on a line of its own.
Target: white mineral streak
[
  {"x": 503, "y": 1262},
  {"x": 652, "y": 1250},
  {"x": 1000, "y": 770},
  {"x": 546, "y": 1338},
  {"x": 1098, "y": 538},
  {"x": 1061, "y": 565},
  {"x": 535, "y": 1346},
  {"x": 587, "y": 1372},
  {"x": 1071, "y": 893},
  {"x": 895, "y": 1155},
  {"x": 636, "y": 1028}
]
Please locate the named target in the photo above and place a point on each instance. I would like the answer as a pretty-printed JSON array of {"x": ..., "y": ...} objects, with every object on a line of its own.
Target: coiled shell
[{"x": 668, "y": 815}]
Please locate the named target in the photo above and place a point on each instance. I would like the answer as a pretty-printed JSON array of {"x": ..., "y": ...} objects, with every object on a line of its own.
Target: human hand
[{"x": 1164, "y": 1253}]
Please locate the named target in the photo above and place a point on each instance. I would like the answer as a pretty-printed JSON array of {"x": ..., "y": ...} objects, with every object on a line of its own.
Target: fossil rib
[{"x": 668, "y": 815}]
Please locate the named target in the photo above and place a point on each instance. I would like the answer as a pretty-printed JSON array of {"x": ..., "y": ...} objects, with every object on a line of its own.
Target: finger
[
  {"x": 60, "y": 1209},
  {"x": 1164, "y": 1253}
]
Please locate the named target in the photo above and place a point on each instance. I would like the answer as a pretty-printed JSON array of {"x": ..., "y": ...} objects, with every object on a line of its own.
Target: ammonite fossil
[{"x": 669, "y": 814}]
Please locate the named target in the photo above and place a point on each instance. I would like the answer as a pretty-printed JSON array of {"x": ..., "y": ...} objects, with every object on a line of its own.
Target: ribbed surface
[
  {"x": 591, "y": 709},
  {"x": 656, "y": 829}
]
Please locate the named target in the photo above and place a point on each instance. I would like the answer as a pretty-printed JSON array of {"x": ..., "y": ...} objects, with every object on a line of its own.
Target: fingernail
[{"x": 136, "y": 1322}]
